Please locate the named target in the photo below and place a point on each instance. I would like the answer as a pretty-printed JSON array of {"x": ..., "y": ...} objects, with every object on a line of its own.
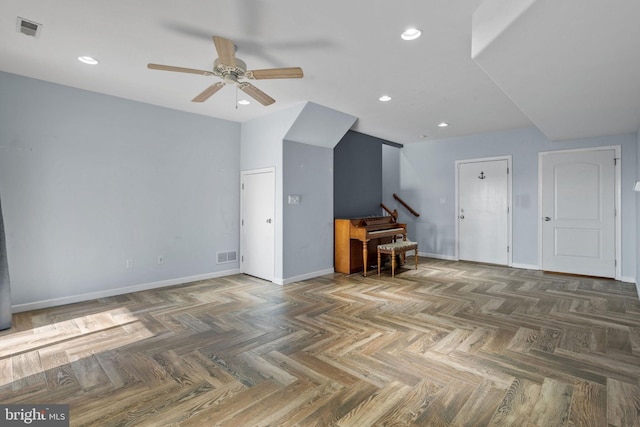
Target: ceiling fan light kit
[
  {"x": 411, "y": 34},
  {"x": 89, "y": 60},
  {"x": 232, "y": 70}
]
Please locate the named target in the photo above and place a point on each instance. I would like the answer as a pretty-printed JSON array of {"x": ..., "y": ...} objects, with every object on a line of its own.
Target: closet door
[
  {"x": 258, "y": 225},
  {"x": 578, "y": 212}
]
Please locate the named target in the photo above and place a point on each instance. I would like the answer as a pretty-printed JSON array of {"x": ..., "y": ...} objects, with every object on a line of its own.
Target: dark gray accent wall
[{"x": 357, "y": 176}]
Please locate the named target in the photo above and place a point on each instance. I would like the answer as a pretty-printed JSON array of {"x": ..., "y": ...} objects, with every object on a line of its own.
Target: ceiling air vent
[{"x": 29, "y": 28}]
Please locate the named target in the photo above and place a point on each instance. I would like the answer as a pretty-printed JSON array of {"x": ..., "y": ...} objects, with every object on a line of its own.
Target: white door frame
[
  {"x": 271, "y": 169},
  {"x": 617, "y": 194},
  {"x": 509, "y": 198}
]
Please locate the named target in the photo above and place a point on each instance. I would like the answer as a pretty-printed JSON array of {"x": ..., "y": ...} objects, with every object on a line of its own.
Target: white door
[
  {"x": 483, "y": 211},
  {"x": 257, "y": 235},
  {"x": 578, "y": 212}
]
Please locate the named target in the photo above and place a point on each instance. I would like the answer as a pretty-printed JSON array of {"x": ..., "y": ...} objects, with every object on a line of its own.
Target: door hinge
[
  {"x": 507, "y": 209},
  {"x": 242, "y": 258},
  {"x": 243, "y": 185},
  {"x": 507, "y": 249},
  {"x": 615, "y": 212},
  {"x": 242, "y": 222},
  {"x": 615, "y": 262},
  {"x": 507, "y": 171},
  {"x": 615, "y": 161}
]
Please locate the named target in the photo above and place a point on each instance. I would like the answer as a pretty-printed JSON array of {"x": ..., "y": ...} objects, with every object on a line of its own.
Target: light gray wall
[
  {"x": 320, "y": 126},
  {"x": 637, "y": 195},
  {"x": 90, "y": 180},
  {"x": 391, "y": 176},
  {"x": 302, "y": 129},
  {"x": 262, "y": 147},
  {"x": 428, "y": 185},
  {"x": 5, "y": 285},
  {"x": 261, "y": 139},
  {"x": 308, "y": 233}
]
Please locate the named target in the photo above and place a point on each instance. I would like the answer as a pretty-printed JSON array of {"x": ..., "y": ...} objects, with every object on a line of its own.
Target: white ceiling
[
  {"x": 572, "y": 66},
  {"x": 351, "y": 53}
]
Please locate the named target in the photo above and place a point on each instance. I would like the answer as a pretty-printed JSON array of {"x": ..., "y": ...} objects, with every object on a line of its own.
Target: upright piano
[{"x": 356, "y": 241}]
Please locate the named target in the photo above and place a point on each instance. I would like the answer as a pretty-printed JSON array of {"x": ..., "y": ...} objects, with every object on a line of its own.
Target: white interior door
[
  {"x": 483, "y": 211},
  {"x": 578, "y": 212},
  {"x": 258, "y": 225}
]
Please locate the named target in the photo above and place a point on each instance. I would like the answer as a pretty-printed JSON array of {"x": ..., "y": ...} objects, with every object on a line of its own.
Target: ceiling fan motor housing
[{"x": 228, "y": 73}]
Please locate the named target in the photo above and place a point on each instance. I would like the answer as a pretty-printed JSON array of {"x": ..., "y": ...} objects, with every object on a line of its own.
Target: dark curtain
[{"x": 5, "y": 289}]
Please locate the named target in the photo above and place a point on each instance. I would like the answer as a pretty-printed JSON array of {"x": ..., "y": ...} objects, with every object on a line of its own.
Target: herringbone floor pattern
[{"x": 449, "y": 344}]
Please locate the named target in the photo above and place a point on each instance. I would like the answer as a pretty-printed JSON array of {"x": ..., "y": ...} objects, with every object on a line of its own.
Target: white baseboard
[
  {"x": 438, "y": 256},
  {"x": 182, "y": 280},
  {"x": 525, "y": 266},
  {"x": 118, "y": 291},
  {"x": 453, "y": 258},
  {"x": 304, "y": 276},
  {"x": 625, "y": 279}
]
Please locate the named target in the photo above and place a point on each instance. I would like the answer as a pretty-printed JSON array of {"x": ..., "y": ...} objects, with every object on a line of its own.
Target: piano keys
[{"x": 356, "y": 241}]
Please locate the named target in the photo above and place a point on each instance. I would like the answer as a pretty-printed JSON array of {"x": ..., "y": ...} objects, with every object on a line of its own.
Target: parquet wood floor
[{"x": 448, "y": 344}]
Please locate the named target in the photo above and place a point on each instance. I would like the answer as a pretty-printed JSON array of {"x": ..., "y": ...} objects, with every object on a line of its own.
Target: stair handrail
[
  {"x": 393, "y": 214},
  {"x": 403, "y": 203}
]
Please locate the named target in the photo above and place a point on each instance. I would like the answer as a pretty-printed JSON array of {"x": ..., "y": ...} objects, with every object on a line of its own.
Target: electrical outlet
[
  {"x": 295, "y": 199},
  {"x": 160, "y": 259},
  {"x": 128, "y": 263}
]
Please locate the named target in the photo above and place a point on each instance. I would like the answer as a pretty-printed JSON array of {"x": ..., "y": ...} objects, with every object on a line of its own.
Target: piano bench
[{"x": 394, "y": 248}]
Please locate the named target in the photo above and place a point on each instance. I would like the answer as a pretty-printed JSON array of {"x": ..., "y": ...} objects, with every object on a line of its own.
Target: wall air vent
[
  {"x": 27, "y": 27},
  {"x": 225, "y": 257}
]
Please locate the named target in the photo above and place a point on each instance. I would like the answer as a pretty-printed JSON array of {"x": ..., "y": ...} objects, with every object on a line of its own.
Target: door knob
[
  {"x": 268, "y": 220},
  {"x": 461, "y": 217},
  {"x": 546, "y": 218}
]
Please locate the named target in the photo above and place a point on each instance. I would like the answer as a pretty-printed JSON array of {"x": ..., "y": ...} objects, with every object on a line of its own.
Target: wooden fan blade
[
  {"x": 179, "y": 69},
  {"x": 206, "y": 94},
  {"x": 226, "y": 51},
  {"x": 278, "y": 73},
  {"x": 256, "y": 93}
]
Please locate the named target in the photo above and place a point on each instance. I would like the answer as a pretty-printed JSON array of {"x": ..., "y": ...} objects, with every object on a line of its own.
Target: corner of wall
[
  {"x": 320, "y": 126},
  {"x": 638, "y": 213}
]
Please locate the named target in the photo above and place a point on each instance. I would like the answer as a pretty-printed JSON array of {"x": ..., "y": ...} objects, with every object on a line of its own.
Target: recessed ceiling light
[
  {"x": 411, "y": 34},
  {"x": 384, "y": 98},
  {"x": 87, "y": 60},
  {"x": 244, "y": 102},
  {"x": 443, "y": 124}
]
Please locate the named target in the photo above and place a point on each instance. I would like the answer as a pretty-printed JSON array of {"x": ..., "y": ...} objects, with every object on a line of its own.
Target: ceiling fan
[{"x": 231, "y": 69}]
